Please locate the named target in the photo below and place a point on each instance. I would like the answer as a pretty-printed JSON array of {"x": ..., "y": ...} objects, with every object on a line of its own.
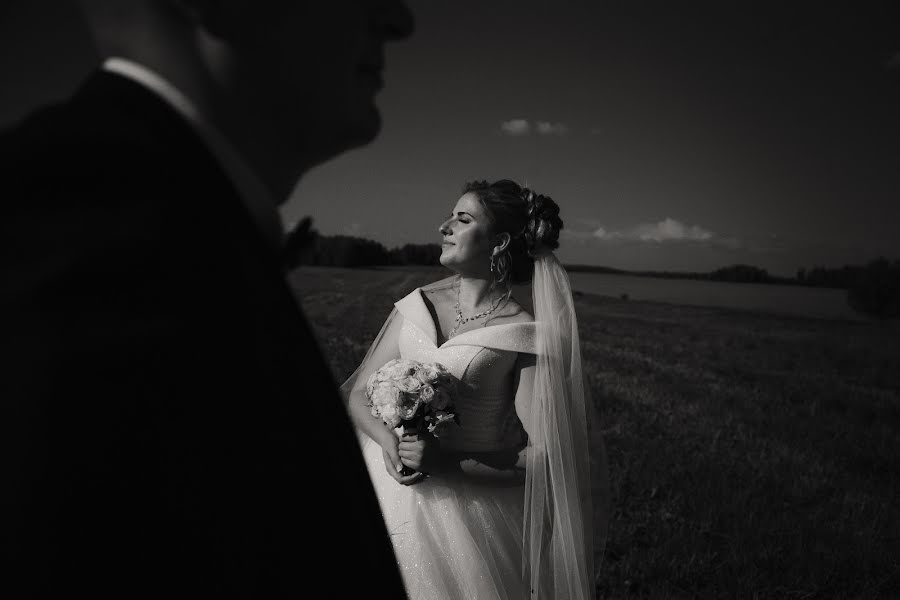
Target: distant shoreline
[
  {"x": 356, "y": 252},
  {"x": 785, "y": 301},
  {"x": 764, "y": 278}
]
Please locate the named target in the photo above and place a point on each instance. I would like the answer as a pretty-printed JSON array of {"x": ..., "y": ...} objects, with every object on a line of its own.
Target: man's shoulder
[
  {"x": 58, "y": 161},
  {"x": 64, "y": 142},
  {"x": 36, "y": 137},
  {"x": 111, "y": 140},
  {"x": 94, "y": 172},
  {"x": 108, "y": 118}
]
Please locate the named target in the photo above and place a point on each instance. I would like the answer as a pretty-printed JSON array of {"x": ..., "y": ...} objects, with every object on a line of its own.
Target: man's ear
[
  {"x": 210, "y": 15},
  {"x": 502, "y": 243}
]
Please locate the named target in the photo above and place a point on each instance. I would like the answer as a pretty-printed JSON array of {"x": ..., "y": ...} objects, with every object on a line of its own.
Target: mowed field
[{"x": 751, "y": 456}]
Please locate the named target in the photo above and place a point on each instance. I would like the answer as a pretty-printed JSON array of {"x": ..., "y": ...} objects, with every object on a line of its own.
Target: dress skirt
[{"x": 454, "y": 539}]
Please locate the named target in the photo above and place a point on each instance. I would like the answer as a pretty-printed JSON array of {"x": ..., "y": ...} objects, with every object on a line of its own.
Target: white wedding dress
[{"x": 455, "y": 538}]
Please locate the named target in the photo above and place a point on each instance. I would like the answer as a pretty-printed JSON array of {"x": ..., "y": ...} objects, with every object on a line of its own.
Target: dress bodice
[{"x": 483, "y": 361}]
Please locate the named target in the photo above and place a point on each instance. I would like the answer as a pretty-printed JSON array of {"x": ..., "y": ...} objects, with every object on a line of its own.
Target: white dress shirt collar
[{"x": 251, "y": 190}]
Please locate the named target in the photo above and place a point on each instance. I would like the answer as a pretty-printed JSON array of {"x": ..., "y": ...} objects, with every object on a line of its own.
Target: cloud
[
  {"x": 666, "y": 231},
  {"x": 670, "y": 230},
  {"x": 359, "y": 230},
  {"x": 520, "y": 127},
  {"x": 547, "y": 128},
  {"x": 516, "y": 127}
]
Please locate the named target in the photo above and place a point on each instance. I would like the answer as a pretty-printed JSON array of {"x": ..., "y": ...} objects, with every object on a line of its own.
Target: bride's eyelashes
[{"x": 462, "y": 218}]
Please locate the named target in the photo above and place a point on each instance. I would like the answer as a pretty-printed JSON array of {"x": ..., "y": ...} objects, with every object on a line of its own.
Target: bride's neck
[{"x": 475, "y": 292}]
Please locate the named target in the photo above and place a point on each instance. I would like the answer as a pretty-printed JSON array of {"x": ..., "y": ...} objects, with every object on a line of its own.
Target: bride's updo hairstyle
[{"x": 532, "y": 221}]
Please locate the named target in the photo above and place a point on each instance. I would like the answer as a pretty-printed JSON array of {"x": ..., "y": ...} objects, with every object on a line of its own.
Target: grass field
[{"x": 751, "y": 456}]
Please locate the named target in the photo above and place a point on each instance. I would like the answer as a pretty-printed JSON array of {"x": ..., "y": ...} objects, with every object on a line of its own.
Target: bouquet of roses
[{"x": 414, "y": 394}]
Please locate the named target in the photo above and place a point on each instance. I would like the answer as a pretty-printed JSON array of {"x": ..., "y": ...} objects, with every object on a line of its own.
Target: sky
[{"x": 674, "y": 136}]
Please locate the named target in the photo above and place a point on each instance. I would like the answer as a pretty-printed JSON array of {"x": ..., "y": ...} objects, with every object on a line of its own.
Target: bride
[{"x": 512, "y": 502}]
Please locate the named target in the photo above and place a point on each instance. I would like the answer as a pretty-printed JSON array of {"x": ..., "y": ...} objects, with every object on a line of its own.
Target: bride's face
[{"x": 468, "y": 238}]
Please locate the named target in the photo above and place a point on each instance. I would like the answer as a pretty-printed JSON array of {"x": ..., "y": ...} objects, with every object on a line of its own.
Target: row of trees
[
  {"x": 844, "y": 277},
  {"x": 841, "y": 277},
  {"x": 872, "y": 289},
  {"x": 350, "y": 251},
  {"x": 733, "y": 273},
  {"x": 875, "y": 289}
]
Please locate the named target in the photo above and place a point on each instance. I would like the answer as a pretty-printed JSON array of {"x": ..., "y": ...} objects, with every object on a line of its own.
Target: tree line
[
  {"x": 873, "y": 288},
  {"x": 350, "y": 251}
]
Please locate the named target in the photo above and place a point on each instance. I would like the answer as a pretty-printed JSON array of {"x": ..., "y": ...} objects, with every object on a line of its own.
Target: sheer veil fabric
[
  {"x": 566, "y": 485},
  {"x": 566, "y": 479}
]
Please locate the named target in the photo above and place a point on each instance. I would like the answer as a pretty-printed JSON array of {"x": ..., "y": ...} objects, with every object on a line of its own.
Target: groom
[{"x": 169, "y": 426}]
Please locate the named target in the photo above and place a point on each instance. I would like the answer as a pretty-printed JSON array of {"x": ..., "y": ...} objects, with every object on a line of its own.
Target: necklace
[{"x": 461, "y": 320}]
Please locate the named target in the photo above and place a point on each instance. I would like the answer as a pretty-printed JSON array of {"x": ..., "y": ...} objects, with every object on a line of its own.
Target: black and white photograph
[{"x": 433, "y": 300}]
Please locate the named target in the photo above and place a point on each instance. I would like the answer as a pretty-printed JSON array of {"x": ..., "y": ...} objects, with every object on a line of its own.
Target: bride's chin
[{"x": 450, "y": 264}]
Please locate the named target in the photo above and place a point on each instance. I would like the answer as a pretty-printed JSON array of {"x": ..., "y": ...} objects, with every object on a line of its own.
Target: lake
[{"x": 783, "y": 299}]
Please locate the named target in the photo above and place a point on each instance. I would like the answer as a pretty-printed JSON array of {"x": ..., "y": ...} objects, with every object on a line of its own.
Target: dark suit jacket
[{"x": 168, "y": 423}]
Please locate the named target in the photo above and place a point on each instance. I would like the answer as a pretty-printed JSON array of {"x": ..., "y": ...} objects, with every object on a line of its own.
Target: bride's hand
[
  {"x": 392, "y": 461},
  {"x": 419, "y": 453}
]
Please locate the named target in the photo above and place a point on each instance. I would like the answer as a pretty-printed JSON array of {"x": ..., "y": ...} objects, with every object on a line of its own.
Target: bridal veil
[{"x": 566, "y": 478}]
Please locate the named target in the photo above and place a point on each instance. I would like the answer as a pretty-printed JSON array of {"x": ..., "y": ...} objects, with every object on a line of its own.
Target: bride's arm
[
  {"x": 526, "y": 365},
  {"x": 506, "y": 466},
  {"x": 384, "y": 349}
]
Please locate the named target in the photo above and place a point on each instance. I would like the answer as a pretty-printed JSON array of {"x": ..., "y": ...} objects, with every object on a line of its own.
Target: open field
[{"x": 751, "y": 456}]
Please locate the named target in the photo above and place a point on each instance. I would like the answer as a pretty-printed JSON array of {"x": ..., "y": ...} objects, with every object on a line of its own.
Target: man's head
[{"x": 291, "y": 79}]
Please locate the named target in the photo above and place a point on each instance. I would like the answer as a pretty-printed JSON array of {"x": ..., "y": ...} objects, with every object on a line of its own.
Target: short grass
[{"x": 751, "y": 455}]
